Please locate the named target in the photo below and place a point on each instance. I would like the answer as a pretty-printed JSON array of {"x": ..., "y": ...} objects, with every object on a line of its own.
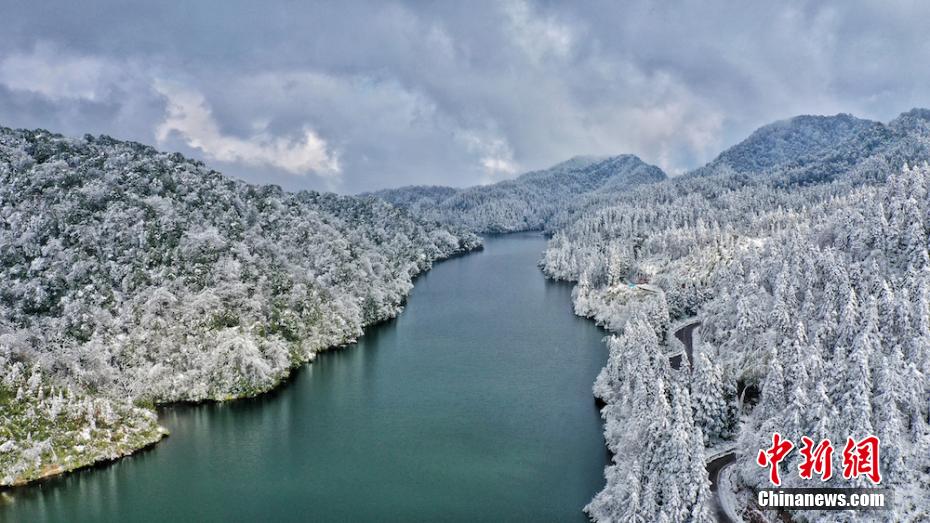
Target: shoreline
[{"x": 56, "y": 471}]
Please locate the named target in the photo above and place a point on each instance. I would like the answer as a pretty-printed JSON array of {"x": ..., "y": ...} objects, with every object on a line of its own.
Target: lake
[{"x": 474, "y": 404}]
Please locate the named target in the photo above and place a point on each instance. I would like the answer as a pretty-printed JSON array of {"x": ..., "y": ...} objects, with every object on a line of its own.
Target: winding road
[
  {"x": 721, "y": 461},
  {"x": 685, "y": 335},
  {"x": 714, "y": 467}
]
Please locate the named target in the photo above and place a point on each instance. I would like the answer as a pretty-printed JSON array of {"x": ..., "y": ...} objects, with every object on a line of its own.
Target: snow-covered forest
[
  {"x": 130, "y": 277},
  {"x": 803, "y": 252},
  {"x": 528, "y": 202}
]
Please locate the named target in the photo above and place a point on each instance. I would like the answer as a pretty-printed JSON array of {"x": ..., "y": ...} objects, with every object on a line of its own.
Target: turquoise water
[{"x": 474, "y": 405}]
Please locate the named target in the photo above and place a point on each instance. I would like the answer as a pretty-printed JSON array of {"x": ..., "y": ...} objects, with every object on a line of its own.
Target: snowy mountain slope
[
  {"x": 815, "y": 149},
  {"x": 783, "y": 142},
  {"x": 130, "y": 273},
  {"x": 417, "y": 198},
  {"x": 810, "y": 275},
  {"x": 528, "y": 201},
  {"x": 799, "y": 151}
]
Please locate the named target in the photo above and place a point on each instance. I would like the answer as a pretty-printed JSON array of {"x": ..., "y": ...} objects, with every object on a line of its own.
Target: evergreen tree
[{"x": 708, "y": 399}]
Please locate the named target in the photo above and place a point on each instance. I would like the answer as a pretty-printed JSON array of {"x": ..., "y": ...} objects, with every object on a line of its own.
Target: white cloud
[
  {"x": 189, "y": 117},
  {"x": 670, "y": 123},
  {"x": 58, "y": 76},
  {"x": 499, "y": 163},
  {"x": 494, "y": 154}
]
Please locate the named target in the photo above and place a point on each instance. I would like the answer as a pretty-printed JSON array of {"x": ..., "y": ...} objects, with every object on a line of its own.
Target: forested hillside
[
  {"x": 787, "y": 141},
  {"x": 529, "y": 201},
  {"x": 130, "y": 277},
  {"x": 804, "y": 253}
]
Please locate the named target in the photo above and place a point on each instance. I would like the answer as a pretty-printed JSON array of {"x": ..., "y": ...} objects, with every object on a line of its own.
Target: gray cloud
[{"x": 365, "y": 95}]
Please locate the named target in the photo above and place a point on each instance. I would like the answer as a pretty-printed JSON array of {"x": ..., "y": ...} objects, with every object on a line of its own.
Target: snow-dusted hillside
[
  {"x": 529, "y": 201},
  {"x": 809, "y": 269},
  {"x": 130, "y": 275},
  {"x": 786, "y": 141}
]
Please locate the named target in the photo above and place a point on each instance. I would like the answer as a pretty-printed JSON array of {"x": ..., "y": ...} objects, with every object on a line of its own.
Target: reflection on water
[{"x": 475, "y": 404}]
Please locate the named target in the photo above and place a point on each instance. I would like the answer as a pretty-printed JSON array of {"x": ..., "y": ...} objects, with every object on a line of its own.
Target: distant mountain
[
  {"x": 797, "y": 151},
  {"x": 818, "y": 148},
  {"x": 785, "y": 141},
  {"x": 528, "y": 201},
  {"x": 916, "y": 120},
  {"x": 420, "y": 200}
]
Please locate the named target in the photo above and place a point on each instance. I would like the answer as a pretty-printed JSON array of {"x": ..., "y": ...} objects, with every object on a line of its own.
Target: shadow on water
[{"x": 474, "y": 404}]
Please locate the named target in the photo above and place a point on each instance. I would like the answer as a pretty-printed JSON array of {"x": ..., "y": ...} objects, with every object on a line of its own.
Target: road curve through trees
[
  {"x": 685, "y": 335},
  {"x": 718, "y": 463}
]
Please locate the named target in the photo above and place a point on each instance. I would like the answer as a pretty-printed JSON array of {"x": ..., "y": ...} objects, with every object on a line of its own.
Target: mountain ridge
[{"x": 527, "y": 201}]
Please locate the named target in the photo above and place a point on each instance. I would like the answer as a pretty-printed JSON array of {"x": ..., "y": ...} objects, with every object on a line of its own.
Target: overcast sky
[{"x": 353, "y": 96}]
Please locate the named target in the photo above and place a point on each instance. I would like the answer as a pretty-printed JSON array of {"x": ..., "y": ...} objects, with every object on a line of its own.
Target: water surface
[{"x": 475, "y": 404}]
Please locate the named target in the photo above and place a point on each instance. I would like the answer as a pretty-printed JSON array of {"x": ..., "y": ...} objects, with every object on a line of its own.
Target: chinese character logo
[
  {"x": 774, "y": 455},
  {"x": 860, "y": 458},
  {"x": 816, "y": 460}
]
